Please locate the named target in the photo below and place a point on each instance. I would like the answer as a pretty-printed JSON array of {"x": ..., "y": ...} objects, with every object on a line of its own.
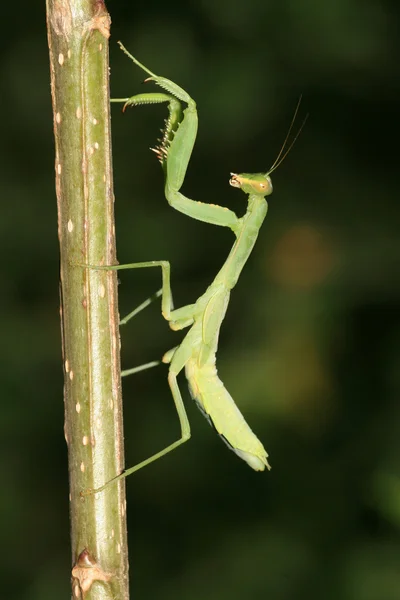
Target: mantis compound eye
[{"x": 262, "y": 187}]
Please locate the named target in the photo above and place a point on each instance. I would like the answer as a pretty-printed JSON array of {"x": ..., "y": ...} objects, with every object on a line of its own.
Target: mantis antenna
[{"x": 279, "y": 159}]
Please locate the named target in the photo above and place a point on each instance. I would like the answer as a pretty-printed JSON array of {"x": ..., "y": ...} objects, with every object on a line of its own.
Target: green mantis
[{"x": 197, "y": 351}]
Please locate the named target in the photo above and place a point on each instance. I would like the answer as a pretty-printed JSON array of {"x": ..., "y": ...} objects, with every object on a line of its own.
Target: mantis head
[
  {"x": 260, "y": 183},
  {"x": 257, "y": 183}
]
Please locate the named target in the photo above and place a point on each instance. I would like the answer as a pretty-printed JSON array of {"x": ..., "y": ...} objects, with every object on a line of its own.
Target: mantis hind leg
[
  {"x": 175, "y": 368},
  {"x": 185, "y": 435},
  {"x": 133, "y": 370}
]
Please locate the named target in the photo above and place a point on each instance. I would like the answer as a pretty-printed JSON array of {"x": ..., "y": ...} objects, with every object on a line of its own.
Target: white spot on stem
[
  {"x": 82, "y": 467},
  {"x": 61, "y": 59},
  {"x": 70, "y": 226},
  {"x": 67, "y": 366},
  {"x": 78, "y": 407},
  {"x": 58, "y": 117},
  {"x": 78, "y": 112},
  {"x": 71, "y": 374},
  {"x": 102, "y": 291},
  {"x": 85, "y": 440},
  {"x": 59, "y": 168},
  {"x": 94, "y": 121}
]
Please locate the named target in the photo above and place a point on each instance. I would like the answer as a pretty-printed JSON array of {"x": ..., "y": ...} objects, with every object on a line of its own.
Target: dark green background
[{"x": 310, "y": 345}]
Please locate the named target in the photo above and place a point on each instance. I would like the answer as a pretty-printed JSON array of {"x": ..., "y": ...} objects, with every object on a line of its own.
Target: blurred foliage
[{"x": 310, "y": 349}]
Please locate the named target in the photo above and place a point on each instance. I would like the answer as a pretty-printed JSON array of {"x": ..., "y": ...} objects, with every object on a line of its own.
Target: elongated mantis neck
[
  {"x": 246, "y": 237},
  {"x": 255, "y": 201}
]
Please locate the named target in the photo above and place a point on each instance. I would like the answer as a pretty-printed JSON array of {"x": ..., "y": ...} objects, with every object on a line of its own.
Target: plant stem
[{"x": 78, "y": 32}]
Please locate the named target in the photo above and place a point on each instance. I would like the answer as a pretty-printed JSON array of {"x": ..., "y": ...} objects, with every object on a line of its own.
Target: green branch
[{"x": 78, "y": 32}]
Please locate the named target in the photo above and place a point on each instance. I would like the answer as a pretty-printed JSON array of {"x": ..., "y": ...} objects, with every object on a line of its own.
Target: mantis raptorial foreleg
[{"x": 176, "y": 147}]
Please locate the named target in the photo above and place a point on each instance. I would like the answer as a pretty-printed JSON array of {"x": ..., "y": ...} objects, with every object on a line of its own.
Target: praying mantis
[{"x": 197, "y": 351}]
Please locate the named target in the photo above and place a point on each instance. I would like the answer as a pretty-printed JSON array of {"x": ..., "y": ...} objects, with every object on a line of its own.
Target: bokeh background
[{"x": 310, "y": 348}]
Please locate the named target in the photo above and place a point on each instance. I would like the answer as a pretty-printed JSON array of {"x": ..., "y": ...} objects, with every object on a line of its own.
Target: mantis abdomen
[{"x": 217, "y": 405}]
